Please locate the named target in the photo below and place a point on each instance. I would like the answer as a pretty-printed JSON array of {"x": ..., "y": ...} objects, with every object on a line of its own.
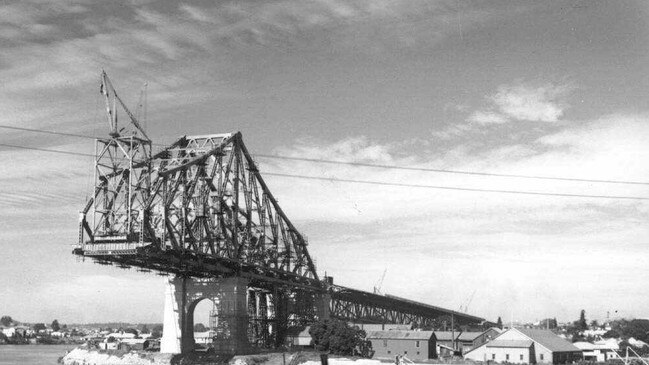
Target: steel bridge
[{"x": 200, "y": 212}]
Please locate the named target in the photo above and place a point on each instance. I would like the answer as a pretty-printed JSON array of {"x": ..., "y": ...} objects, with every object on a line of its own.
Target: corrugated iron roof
[
  {"x": 549, "y": 340},
  {"x": 469, "y": 336},
  {"x": 400, "y": 335},
  {"x": 446, "y": 335},
  {"x": 510, "y": 343}
]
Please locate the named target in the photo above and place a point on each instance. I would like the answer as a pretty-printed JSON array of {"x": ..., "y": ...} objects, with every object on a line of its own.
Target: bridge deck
[{"x": 370, "y": 302}]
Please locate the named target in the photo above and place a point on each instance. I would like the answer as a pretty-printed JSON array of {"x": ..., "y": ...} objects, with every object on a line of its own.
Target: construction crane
[
  {"x": 377, "y": 286},
  {"x": 466, "y": 306}
]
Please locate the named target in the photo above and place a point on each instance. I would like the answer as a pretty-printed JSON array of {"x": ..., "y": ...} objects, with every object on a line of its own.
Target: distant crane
[
  {"x": 377, "y": 286},
  {"x": 466, "y": 306}
]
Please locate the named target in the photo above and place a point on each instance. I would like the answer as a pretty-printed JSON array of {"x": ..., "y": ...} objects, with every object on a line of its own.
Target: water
[{"x": 32, "y": 354}]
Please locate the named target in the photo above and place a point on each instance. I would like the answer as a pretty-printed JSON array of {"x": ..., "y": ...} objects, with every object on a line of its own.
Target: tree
[
  {"x": 132, "y": 330},
  {"x": 582, "y": 324},
  {"x": 337, "y": 337},
  {"x": 499, "y": 323},
  {"x": 156, "y": 332},
  {"x": 199, "y": 327},
  {"x": 55, "y": 325},
  {"x": 549, "y": 323},
  {"x": 6, "y": 321},
  {"x": 594, "y": 324},
  {"x": 145, "y": 329},
  {"x": 38, "y": 326}
]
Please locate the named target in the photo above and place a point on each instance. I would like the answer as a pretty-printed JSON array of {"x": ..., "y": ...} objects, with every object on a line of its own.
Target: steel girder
[
  {"x": 360, "y": 306},
  {"x": 201, "y": 200}
]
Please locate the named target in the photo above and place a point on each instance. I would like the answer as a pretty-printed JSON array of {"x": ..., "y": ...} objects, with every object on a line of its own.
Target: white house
[
  {"x": 526, "y": 346},
  {"x": 9, "y": 331},
  {"x": 595, "y": 352},
  {"x": 204, "y": 338}
]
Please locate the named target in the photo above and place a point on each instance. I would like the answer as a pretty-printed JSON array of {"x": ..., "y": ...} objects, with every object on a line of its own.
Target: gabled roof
[
  {"x": 446, "y": 335},
  {"x": 400, "y": 335},
  {"x": 469, "y": 336},
  {"x": 298, "y": 331},
  {"x": 548, "y": 340},
  {"x": 510, "y": 343}
]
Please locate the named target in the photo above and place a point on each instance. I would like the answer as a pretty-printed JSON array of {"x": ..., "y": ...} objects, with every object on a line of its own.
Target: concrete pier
[{"x": 182, "y": 294}]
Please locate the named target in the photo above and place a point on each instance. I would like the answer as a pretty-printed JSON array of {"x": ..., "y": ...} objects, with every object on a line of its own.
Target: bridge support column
[
  {"x": 182, "y": 294},
  {"x": 323, "y": 306}
]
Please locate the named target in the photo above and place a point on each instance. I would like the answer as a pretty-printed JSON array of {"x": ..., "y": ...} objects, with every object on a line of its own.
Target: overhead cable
[
  {"x": 442, "y": 187},
  {"x": 381, "y": 166},
  {"x": 383, "y": 183}
]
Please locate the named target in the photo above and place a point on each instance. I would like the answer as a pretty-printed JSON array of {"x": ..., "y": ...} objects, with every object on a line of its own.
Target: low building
[
  {"x": 525, "y": 345},
  {"x": 415, "y": 345},
  {"x": 446, "y": 342},
  {"x": 467, "y": 341},
  {"x": 485, "y": 337},
  {"x": 298, "y": 336},
  {"x": 596, "y": 352},
  {"x": 203, "y": 338}
]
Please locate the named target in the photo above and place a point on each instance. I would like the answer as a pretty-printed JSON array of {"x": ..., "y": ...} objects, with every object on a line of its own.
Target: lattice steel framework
[
  {"x": 202, "y": 197},
  {"x": 201, "y": 208},
  {"x": 359, "y": 306}
]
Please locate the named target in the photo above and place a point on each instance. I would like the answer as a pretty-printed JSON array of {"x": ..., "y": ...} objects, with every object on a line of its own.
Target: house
[
  {"x": 109, "y": 343},
  {"x": 298, "y": 336},
  {"x": 415, "y": 345},
  {"x": 637, "y": 343},
  {"x": 610, "y": 343},
  {"x": 467, "y": 341},
  {"x": 596, "y": 352},
  {"x": 526, "y": 345},
  {"x": 486, "y": 336},
  {"x": 203, "y": 338},
  {"x": 446, "y": 342},
  {"x": 9, "y": 331}
]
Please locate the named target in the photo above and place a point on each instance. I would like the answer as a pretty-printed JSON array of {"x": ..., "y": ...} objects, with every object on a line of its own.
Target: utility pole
[{"x": 453, "y": 331}]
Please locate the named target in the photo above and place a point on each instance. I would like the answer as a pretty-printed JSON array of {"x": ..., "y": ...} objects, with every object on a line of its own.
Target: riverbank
[
  {"x": 32, "y": 354},
  {"x": 82, "y": 356}
]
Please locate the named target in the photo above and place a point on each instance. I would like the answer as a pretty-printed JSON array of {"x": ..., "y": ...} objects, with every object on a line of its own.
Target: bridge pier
[
  {"x": 182, "y": 294},
  {"x": 323, "y": 306}
]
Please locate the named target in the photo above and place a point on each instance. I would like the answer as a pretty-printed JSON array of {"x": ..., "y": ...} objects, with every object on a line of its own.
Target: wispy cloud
[{"x": 522, "y": 102}]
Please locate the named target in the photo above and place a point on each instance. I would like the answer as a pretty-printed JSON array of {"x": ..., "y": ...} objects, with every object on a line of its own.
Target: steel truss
[
  {"x": 201, "y": 208},
  {"x": 359, "y": 306}
]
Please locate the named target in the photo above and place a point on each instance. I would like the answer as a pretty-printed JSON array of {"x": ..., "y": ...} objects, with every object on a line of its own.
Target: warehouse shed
[
  {"x": 415, "y": 345},
  {"x": 525, "y": 345}
]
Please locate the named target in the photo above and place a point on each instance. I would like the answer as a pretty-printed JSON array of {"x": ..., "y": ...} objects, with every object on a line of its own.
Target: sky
[{"x": 553, "y": 89}]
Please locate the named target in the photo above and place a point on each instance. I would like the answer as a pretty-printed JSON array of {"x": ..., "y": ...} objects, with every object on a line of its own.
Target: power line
[
  {"x": 372, "y": 182},
  {"x": 47, "y": 150},
  {"x": 381, "y": 183},
  {"x": 426, "y": 169},
  {"x": 381, "y": 166},
  {"x": 63, "y": 134},
  {"x": 47, "y": 132}
]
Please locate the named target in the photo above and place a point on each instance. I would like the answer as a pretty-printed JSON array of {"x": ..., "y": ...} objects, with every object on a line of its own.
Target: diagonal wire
[{"x": 382, "y": 183}]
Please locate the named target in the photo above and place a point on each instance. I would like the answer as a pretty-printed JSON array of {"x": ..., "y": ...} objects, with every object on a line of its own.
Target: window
[
  {"x": 416, "y": 343},
  {"x": 521, "y": 356},
  {"x": 541, "y": 356},
  {"x": 389, "y": 352},
  {"x": 493, "y": 356},
  {"x": 405, "y": 352},
  {"x": 385, "y": 343},
  {"x": 417, "y": 352},
  {"x": 507, "y": 357}
]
